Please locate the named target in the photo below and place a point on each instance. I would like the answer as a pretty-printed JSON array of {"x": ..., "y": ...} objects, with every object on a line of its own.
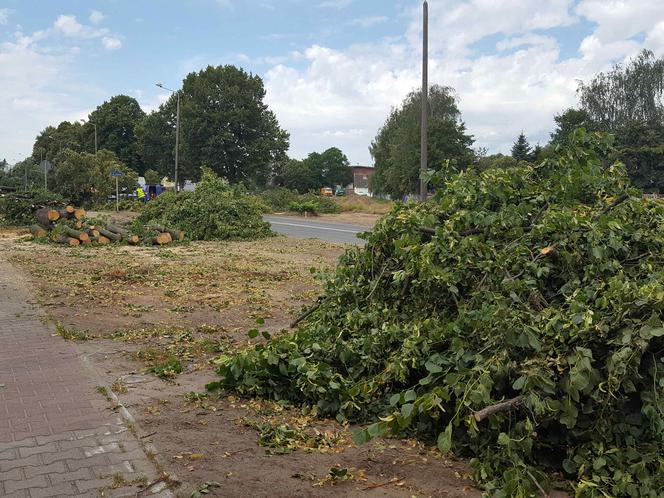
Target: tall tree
[
  {"x": 298, "y": 175},
  {"x": 116, "y": 122},
  {"x": 227, "y": 126},
  {"x": 396, "y": 148},
  {"x": 332, "y": 168},
  {"x": 626, "y": 95},
  {"x": 156, "y": 139},
  {"x": 629, "y": 102},
  {"x": 568, "y": 121},
  {"x": 53, "y": 140},
  {"x": 521, "y": 150}
]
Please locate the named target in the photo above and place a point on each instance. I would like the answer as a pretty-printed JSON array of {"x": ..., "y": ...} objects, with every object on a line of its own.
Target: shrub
[
  {"x": 535, "y": 291},
  {"x": 214, "y": 211},
  {"x": 278, "y": 199}
]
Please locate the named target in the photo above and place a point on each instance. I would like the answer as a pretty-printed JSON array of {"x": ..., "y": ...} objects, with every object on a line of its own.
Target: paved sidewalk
[{"x": 58, "y": 435}]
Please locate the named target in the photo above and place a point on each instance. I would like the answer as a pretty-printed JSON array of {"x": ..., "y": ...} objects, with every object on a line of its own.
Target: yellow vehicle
[{"x": 326, "y": 192}]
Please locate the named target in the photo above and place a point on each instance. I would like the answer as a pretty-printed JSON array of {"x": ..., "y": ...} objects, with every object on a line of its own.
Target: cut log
[
  {"x": 70, "y": 209},
  {"x": 78, "y": 225},
  {"x": 132, "y": 240},
  {"x": 115, "y": 237},
  {"x": 100, "y": 241},
  {"x": 69, "y": 241},
  {"x": 65, "y": 215},
  {"x": 87, "y": 242},
  {"x": 117, "y": 229},
  {"x": 76, "y": 234},
  {"x": 38, "y": 231},
  {"x": 177, "y": 235},
  {"x": 46, "y": 216},
  {"x": 162, "y": 239},
  {"x": 93, "y": 233},
  {"x": 79, "y": 213}
]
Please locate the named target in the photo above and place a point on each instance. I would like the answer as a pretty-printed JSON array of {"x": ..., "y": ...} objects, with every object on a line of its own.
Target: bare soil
[{"x": 139, "y": 307}]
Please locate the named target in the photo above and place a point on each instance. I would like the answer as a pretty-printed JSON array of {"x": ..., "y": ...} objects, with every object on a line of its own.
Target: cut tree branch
[{"x": 505, "y": 406}]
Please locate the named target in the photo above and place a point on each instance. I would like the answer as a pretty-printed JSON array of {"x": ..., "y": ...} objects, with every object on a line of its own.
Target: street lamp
[{"x": 177, "y": 132}]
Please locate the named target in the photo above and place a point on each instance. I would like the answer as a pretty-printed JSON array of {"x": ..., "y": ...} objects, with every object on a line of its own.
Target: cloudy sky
[{"x": 332, "y": 68}]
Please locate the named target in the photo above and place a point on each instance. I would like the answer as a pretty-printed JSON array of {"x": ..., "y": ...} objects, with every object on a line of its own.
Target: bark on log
[
  {"x": 46, "y": 216},
  {"x": 93, "y": 233},
  {"x": 100, "y": 241},
  {"x": 39, "y": 231},
  {"x": 76, "y": 234},
  {"x": 117, "y": 229},
  {"x": 115, "y": 237},
  {"x": 175, "y": 234},
  {"x": 79, "y": 213},
  {"x": 162, "y": 239},
  {"x": 69, "y": 241},
  {"x": 65, "y": 215},
  {"x": 505, "y": 406}
]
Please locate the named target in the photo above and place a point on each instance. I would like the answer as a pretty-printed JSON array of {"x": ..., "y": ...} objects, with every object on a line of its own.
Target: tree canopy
[
  {"x": 396, "y": 148},
  {"x": 522, "y": 150},
  {"x": 327, "y": 169},
  {"x": 116, "y": 122},
  {"x": 628, "y": 102}
]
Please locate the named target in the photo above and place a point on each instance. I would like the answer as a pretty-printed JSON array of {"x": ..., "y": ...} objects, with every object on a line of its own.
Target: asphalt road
[{"x": 341, "y": 233}]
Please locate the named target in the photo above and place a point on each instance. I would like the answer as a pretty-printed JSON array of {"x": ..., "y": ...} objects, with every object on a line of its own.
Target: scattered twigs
[
  {"x": 394, "y": 480},
  {"x": 505, "y": 406}
]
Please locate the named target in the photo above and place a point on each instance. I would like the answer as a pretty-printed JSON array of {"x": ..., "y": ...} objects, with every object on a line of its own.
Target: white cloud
[
  {"x": 367, "y": 22},
  {"x": 4, "y": 16},
  {"x": 96, "y": 17},
  {"x": 111, "y": 43},
  {"x": 341, "y": 97}
]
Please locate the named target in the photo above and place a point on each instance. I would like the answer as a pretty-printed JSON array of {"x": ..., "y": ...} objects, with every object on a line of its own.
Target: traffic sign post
[{"x": 117, "y": 175}]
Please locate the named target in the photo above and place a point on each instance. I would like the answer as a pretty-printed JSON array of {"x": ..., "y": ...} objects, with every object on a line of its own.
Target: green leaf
[
  {"x": 260, "y": 321},
  {"x": 445, "y": 439},
  {"x": 266, "y": 334},
  {"x": 410, "y": 396},
  {"x": 519, "y": 383},
  {"x": 407, "y": 410},
  {"x": 253, "y": 333},
  {"x": 433, "y": 367},
  {"x": 394, "y": 399}
]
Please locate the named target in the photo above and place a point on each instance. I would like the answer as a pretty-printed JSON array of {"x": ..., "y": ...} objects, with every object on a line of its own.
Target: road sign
[
  {"x": 46, "y": 165},
  {"x": 117, "y": 173}
]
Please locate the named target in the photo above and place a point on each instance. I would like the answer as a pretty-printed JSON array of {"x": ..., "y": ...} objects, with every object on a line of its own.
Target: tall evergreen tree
[{"x": 521, "y": 150}]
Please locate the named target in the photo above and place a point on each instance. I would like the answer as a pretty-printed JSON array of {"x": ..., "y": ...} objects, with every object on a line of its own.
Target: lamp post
[
  {"x": 177, "y": 133},
  {"x": 424, "y": 151}
]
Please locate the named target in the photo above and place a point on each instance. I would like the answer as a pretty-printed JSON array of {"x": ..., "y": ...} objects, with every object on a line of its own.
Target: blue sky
[{"x": 332, "y": 68}]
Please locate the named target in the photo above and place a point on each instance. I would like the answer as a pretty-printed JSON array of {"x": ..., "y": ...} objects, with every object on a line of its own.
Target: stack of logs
[{"x": 78, "y": 232}]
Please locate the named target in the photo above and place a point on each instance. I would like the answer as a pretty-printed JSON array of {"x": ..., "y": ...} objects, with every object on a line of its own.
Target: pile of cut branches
[
  {"x": 214, "y": 211},
  {"x": 515, "y": 319},
  {"x": 70, "y": 226},
  {"x": 18, "y": 208}
]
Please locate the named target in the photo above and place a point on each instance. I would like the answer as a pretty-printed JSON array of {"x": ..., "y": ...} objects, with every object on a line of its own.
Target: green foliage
[
  {"x": 116, "y": 120},
  {"x": 17, "y": 209},
  {"x": 521, "y": 150},
  {"x": 86, "y": 178},
  {"x": 167, "y": 369},
  {"x": 278, "y": 199},
  {"x": 214, "y": 211},
  {"x": 304, "y": 207},
  {"x": 152, "y": 177},
  {"x": 299, "y": 176},
  {"x": 628, "y": 102},
  {"x": 328, "y": 169},
  {"x": 541, "y": 281},
  {"x": 396, "y": 148}
]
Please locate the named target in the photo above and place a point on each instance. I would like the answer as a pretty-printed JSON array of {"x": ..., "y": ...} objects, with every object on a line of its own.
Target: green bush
[
  {"x": 17, "y": 209},
  {"x": 304, "y": 207},
  {"x": 214, "y": 211},
  {"x": 542, "y": 285},
  {"x": 278, "y": 199}
]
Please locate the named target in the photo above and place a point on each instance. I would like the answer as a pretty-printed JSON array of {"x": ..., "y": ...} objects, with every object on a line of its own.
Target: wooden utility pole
[{"x": 424, "y": 151}]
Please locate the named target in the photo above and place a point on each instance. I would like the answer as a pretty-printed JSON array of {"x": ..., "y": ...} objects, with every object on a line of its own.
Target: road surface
[{"x": 341, "y": 233}]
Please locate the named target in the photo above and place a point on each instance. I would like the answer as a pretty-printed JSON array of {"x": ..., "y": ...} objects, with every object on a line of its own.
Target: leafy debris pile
[
  {"x": 18, "y": 208},
  {"x": 516, "y": 319},
  {"x": 214, "y": 211}
]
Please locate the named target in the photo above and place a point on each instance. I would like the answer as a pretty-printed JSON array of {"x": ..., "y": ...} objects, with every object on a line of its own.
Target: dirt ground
[{"x": 141, "y": 315}]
